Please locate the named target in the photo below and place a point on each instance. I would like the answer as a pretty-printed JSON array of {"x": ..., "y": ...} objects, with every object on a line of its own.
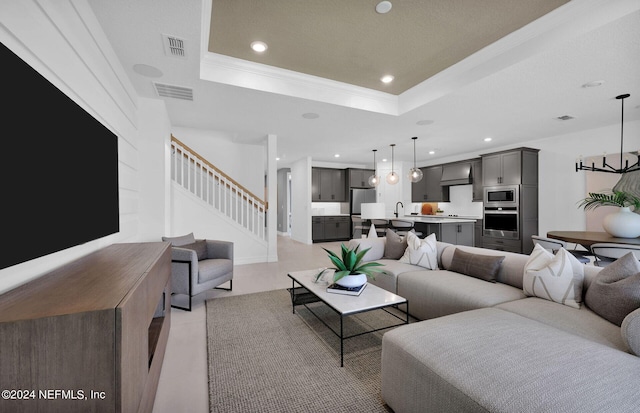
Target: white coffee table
[{"x": 371, "y": 298}]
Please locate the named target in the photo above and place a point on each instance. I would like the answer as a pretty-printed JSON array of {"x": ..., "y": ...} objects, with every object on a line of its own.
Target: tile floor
[{"x": 183, "y": 385}]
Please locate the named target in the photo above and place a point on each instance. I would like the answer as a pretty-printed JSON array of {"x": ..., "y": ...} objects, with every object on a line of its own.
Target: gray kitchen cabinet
[
  {"x": 330, "y": 228},
  {"x": 359, "y": 178},
  {"x": 328, "y": 185},
  {"x": 454, "y": 233},
  {"x": 429, "y": 188},
  {"x": 317, "y": 228},
  {"x": 513, "y": 167},
  {"x": 478, "y": 234},
  {"x": 458, "y": 234},
  {"x": 476, "y": 176}
]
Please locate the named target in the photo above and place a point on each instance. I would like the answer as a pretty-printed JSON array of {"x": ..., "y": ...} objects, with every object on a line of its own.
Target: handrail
[{"x": 225, "y": 176}]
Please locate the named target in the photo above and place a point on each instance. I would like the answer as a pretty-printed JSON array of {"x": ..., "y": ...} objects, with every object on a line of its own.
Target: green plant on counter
[
  {"x": 613, "y": 198},
  {"x": 350, "y": 263}
]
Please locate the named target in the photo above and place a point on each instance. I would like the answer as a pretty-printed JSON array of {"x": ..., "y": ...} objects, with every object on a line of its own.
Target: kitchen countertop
[{"x": 433, "y": 219}]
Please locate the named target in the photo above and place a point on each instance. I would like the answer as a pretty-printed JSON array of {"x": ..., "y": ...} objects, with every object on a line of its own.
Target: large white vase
[
  {"x": 352, "y": 280},
  {"x": 622, "y": 224}
]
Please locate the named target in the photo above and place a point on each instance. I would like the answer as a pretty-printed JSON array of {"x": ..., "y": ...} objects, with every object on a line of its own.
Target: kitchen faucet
[{"x": 396, "y": 212}]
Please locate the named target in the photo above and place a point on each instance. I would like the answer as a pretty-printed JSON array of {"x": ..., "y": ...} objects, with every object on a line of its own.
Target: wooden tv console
[{"x": 89, "y": 336}]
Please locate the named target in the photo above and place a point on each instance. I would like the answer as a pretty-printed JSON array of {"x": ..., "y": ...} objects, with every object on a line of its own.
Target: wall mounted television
[{"x": 60, "y": 169}]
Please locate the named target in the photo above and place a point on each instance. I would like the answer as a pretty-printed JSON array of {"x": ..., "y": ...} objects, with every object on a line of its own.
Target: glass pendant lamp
[
  {"x": 392, "y": 177},
  {"x": 415, "y": 174},
  {"x": 374, "y": 179}
]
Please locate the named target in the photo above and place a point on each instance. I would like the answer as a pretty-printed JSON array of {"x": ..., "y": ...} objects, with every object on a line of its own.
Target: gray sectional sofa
[{"x": 488, "y": 347}]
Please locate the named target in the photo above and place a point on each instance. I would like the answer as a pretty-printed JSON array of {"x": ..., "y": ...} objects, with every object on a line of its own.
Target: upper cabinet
[
  {"x": 359, "y": 178},
  {"x": 514, "y": 167},
  {"x": 328, "y": 185},
  {"x": 429, "y": 188},
  {"x": 476, "y": 176}
]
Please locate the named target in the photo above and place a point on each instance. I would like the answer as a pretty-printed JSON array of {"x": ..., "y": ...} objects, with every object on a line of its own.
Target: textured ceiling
[{"x": 348, "y": 41}]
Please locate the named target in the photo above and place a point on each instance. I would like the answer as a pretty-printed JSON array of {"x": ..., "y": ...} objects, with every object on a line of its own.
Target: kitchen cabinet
[
  {"x": 429, "y": 188},
  {"x": 458, "y": 234},
  {"x": 476, "y": 176},
  {"x": 328, "y": 185},
  {"x": 502, "y": 244},
  {"x": 330, "y": 228},
  {"x": 359, "y": 178},
  {"x": 317, "y": 228},
  {"x": 514, "y": 167},
  {"x": 454, "y": 233},
  {"x": 477, "y": 228}
]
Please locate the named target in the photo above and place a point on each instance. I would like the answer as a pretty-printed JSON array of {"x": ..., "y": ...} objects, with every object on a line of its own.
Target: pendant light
[
  {"x": 415, "y": 174},
  {"x": 392, "y": 177},
  {"x": 624, "y": 168},
  {"x": 374, "y": 179}
]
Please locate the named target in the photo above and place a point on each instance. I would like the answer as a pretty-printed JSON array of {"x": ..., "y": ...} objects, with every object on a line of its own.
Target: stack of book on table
[{"x": 338, "y": 289}]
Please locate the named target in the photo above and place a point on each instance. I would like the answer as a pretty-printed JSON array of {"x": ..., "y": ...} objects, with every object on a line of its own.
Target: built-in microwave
[{"x": 501, "y": 196}]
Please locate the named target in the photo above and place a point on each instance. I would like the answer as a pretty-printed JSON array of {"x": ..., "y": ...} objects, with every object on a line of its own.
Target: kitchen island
[{"x": 454, "y": 230}]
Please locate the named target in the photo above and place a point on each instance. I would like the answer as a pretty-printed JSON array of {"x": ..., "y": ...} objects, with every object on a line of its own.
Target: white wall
[
  {"x": 218, "y": 148},
  {"x": 301, "y": 201},
  {"x": 64, "y": 43}
]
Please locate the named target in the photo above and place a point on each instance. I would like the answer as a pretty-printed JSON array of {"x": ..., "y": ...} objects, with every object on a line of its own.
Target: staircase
[{"x": 221, "y": 193}]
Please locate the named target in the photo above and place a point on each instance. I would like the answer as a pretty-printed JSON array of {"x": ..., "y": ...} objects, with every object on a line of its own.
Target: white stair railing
[{"x": 202, "y": 179}]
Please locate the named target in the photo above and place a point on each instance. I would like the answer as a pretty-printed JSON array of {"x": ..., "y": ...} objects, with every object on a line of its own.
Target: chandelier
[{"x": 605, "y": 166}]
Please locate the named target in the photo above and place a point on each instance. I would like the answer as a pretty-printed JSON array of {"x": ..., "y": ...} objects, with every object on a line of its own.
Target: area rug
[{"x": 264, "y": 358}]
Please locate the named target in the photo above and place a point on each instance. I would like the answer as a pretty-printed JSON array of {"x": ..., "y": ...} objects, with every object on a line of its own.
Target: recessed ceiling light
[
  {"x": 432, "y": 152},
  {"x": 384, "y": 160},
  {"x": 337, "y": 155},
  {"x": 258, "y": 46},
  {"x": 277, "y": 159},
  {"x": 146, "y": 70},
  {"x": 387, "y": 79},
  {"x": 310, "y": 115},
  {"x": 383, "y": 7},
  {"x": 424, "y": 122},
  {"x": 594, "y": 83},
  {"x": 487, "y": 139}
]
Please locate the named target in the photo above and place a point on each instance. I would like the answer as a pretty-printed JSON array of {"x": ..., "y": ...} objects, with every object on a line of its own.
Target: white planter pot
[
  {"x": 622, "y": 224},
  {"x": 352, "y": 280}
]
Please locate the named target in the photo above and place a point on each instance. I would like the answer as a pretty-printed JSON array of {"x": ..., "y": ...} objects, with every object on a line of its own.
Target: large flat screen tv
[{"x": 59, "y": 172}]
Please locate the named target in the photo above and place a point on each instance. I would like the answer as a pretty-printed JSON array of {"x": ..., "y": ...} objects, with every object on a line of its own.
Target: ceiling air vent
[
  {"x": 565, "y": 117},
  {"x": 174, "y": 46},
  {"x": 171, "y": 91}
]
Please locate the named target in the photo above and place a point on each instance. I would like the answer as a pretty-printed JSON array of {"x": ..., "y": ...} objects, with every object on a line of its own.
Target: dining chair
[
  {"x": 605, "y": 253},
  {"x": 358, "y": 227},
  {"x": 555, "y": 244},
  {"x": 402, "y": 227}
]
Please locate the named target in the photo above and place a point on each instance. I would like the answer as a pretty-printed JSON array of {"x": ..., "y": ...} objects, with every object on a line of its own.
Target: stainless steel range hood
[{"x": 456, "y": 174}]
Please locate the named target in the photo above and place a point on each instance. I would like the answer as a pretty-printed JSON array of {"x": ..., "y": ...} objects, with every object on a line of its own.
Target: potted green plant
[
  {"x": 623, "y": 223},
  {"x": 350, "y": 271}
]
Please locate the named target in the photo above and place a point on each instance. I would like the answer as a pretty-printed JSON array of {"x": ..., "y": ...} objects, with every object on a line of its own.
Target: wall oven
[
  {"x": 501, "y": 222},
  {"x": 501, "y": 218}
]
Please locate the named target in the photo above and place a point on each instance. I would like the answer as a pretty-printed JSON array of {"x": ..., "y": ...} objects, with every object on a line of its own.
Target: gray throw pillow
[
  {"x": 630, "y": 330},
  {"x": 484, "y": 267},
  {"x": 181, "y": 240},
  {"x": 200, "y": 247},
  {"x": 394, "y": 246},
  {"x": 615, "y": 291}
]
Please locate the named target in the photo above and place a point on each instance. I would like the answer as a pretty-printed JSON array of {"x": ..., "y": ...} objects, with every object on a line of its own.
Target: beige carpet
[{"x": 264, "y": 358}]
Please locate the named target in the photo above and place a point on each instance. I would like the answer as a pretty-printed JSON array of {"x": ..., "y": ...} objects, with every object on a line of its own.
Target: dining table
[{"x": 588, "y": 238}]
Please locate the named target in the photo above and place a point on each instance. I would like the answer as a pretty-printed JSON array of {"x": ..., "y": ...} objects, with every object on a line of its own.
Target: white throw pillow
[
  {"x": 556, "y": 278},
  {"x": 421, "y": 252}
]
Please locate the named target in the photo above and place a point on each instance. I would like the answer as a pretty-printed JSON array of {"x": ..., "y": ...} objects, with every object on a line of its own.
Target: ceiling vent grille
[
  {"x": 565, "y": 117},
  {"x": 174, "y": 46},
  {"x": 171, "y": 91}
]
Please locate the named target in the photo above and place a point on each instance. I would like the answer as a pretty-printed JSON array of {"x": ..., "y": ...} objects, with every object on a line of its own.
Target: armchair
[{"x": 199, "y": 265}]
